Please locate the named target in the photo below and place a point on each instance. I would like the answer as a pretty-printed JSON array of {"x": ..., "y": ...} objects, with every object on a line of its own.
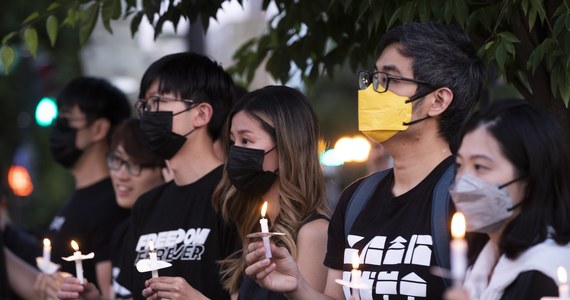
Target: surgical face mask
[
  {"x": 62, "y": 144},
  {"x": 485, "y": 205},
  {"x": 382, "y": 115},
  {"x": 245, "y": 171},
  {"x": 156, "y": 128}
]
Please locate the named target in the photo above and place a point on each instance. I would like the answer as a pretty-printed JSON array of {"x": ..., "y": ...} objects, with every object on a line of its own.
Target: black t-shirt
[
  {"x": 89, "y": 217},
  {"x": 186, "y": 231},
  {"x": 393, "y": 237},
  {"x": 120, "y": 237}
]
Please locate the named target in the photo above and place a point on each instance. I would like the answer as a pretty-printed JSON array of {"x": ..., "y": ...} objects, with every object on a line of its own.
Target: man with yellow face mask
[{"x": 424, "y": 82}]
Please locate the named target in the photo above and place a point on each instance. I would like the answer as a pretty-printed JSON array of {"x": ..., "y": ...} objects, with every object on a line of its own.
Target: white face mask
[{"x": 485, "y": 205}]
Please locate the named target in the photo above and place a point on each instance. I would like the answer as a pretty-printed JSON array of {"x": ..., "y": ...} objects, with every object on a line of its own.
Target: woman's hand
[
  {"x": 278, "y": 274},
  {"x": 456, "y": 294},
  {"x": 170, "y": 288},
  {"x": 71, "y": 289}
]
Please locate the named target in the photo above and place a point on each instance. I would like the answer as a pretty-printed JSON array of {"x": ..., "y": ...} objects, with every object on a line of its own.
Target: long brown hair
[{"x": 295, "y": 132}]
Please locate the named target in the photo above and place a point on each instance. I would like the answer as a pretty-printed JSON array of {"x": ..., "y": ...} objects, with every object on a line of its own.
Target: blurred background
[{"x": 40, "y": 186}]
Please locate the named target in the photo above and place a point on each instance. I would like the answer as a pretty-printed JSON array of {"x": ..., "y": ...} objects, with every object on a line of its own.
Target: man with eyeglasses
[
  {"x": 184, "y": 101},
  {"x": 424, "y": 82}
]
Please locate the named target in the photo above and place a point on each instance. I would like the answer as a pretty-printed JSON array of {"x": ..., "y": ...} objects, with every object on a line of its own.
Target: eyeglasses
[
  {"x": 114, "y": 163},
  {"x": 381, "y": 80},
  {"x": 152, "y": 103}
]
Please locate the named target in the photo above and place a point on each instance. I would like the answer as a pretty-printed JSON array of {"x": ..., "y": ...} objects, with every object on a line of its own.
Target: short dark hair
[
  {"x": 96, "y": 98},
  {"x": 129, "y": 136},
  {"x": 443, "y": 56},
  {"x": 193, "y": 76},
  {"x": 533, "y": 141}
]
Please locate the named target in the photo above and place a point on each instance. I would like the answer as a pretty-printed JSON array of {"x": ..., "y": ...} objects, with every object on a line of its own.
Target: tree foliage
[{"x": 526, "y": 41}]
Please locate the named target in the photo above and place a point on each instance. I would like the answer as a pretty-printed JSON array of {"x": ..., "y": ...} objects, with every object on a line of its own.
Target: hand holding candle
[
  {"x": 78, "y": 257},
  {"x": 458, "y": 249},
  {"x": 265, "y": 229}
]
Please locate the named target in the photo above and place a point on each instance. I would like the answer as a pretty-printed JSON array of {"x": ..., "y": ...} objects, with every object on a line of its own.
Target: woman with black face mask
[{"x": 272, "y": 156}]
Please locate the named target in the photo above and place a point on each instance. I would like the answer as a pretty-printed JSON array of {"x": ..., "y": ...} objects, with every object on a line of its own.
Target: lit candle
[
  {"x": 265, "y": 229},
  {"x": 458, "y": 249},
  {"x": 153, "y": 259},
  {"x": 563, "y": 290},
  {"x": 356, "y": 276},
  {"x": 47, "y": 250},
  {"x": 78, "y": 264}
]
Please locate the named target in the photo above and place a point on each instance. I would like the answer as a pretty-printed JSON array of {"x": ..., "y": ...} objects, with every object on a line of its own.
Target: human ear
[
  {"x": 204, "y": 114},
  {"x": 441, "y": 100},
  {"x": 100, "y": 129}
]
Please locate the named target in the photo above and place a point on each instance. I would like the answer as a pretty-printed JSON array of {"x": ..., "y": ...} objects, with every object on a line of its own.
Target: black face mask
[
  {"x": 245, "y": 171},
  {"x": 62, "y": 144},
  {"x": 156, "y": 128}
]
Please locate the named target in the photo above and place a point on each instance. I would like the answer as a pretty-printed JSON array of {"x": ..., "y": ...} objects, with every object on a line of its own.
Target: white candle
[
  {"x": 265, "y": 229},
  {"x": 458, "y": 249},
  {"x": 563, "y": 290},
  {"x": 78, "y": 264},
  {"x": 356, "y": 276},
  {"x": 47, "y": 250},
  {"x": 153, "y": 259}
]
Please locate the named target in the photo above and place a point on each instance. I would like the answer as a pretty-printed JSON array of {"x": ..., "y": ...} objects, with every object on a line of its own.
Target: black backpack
[{"x": 440, "y": 211}]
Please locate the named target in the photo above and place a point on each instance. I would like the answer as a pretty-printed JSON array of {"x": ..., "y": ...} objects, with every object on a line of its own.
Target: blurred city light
[
  {"x": 355, "y": 149},
  {"x": 20, "y": 181},
  {"x": 46, "y": 111},
  {"x": 331, "y": 158}
]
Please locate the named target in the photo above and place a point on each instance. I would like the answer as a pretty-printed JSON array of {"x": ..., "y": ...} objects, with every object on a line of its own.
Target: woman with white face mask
[{"x": 512, "y": 185}]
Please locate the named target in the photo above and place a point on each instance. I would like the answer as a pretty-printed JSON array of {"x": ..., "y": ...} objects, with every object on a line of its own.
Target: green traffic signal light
[{"x": 46, "y": 111}]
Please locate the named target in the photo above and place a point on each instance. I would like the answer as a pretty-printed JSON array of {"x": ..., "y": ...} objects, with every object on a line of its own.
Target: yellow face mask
[{"x": 382, "y": 115}]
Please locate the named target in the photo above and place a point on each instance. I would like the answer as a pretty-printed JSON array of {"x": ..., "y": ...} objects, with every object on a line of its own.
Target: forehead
[
  {"x": 72, "y": 112},
  {"x": 391, "y": 60},
  {"x": 480, "y": 142}
]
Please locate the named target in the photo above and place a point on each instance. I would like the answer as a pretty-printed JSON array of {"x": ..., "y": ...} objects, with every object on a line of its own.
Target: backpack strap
[
  {"x": 440, "y": 219},
  {"x": 360, "y": 197}
]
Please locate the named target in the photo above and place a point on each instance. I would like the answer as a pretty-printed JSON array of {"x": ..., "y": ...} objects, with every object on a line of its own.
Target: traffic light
[
  {"x": 46, "y": 111},
  {"x": 20, "y": 181}
]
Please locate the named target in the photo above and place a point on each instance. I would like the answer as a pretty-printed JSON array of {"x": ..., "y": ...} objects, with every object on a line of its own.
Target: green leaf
[
  {"x": 111, "y": 10},
  {"x": 7, "y": 54},
  {"x": 71, "y": 17},
  {"x": 135, "y": 23},
  {"x": 51, "y": 28},
  {"x": 7, "y": 37},
  {"x": 461, "y": 12},
  {"x": 31, "y": 17},
  {"x": 500, "y": 56},
  {"x": 53, "y": 6},
  {"x": 509, "y": 37},
  {"x": 31, "y": 39},
  {"x": 538, "y": 6},
  {"x": 423, "y": 10},
  {"x": 88, "y": 23},
  {"x": 531, "y": 18},
  {"x": 394, "y": 17}
]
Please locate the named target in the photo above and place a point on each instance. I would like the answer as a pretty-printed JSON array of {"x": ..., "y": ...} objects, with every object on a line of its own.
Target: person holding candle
[
  {"x": 424, "y": 82},
  {"x": 184, "y": 101},
  {"x": 273, "y": 158},
  {"x": 134, "y": 170},
  {"x": 512, "y": 184}
]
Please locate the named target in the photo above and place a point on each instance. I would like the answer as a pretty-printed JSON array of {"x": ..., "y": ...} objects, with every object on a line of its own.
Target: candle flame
[
  {"x": 151, "y": 246},
  {"x": 458, "y": 226},
  {"x": 74, "y": 245},
  {"x": 47, "y": 243},
  {"x": 264, "y": 209},
  {"x": 562, "y": 277},
  {"x": 355, "y": 260}
]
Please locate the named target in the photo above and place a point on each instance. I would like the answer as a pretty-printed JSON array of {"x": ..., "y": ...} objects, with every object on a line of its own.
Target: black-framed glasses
[
  {"x": 381, "y": 80},
  {"x": 152, "y": 103},
  {"x": 114, "y": 163}
]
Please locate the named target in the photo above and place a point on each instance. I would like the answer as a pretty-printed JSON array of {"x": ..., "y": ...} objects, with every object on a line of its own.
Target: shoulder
[
  {"x": 531, "y": 285},
  {"x": 313, "y": 230}
]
